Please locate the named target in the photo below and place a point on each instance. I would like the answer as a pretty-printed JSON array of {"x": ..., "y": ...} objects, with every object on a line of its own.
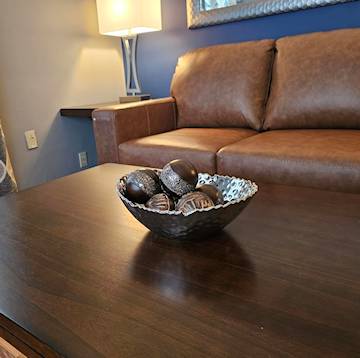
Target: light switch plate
[
  {"x": 31, "y": 140},
  {"x": 83, "y": 160}
]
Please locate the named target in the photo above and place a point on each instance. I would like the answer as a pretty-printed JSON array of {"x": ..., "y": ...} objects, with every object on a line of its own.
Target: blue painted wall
[{"x": 158, "y": 52}]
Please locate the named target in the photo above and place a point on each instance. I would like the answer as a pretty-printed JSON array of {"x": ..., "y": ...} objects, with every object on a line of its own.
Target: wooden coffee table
[{"x": 80, "y": 277}]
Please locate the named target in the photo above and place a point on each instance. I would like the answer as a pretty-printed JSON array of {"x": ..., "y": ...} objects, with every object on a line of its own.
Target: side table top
[{"x": 84, "y": 111}]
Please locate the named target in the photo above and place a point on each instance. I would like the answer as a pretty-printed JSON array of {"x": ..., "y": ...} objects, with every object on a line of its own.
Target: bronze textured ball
[
  {"x": 192, "y": 201},
  {"x": 179, "y": 177},
  {"x": 141, "y": 185},
  {"x": 212, "y": 192},
  {"x": 160, "y": 202}
]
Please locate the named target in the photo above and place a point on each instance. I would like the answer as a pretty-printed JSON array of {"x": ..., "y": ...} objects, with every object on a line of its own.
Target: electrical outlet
[
  {"x": 31, "y": 140},
  {"x": 83, "y": 160}
]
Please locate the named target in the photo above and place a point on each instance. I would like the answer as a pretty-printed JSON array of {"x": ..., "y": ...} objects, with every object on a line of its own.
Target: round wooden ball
[
  {"x": 179, "y": 177},
  {"x": 192, "y": 201},
  {"x": 161, "y": 202},
  {"x": 141, "y": 185},
  {"x": 212, "y": 192}
]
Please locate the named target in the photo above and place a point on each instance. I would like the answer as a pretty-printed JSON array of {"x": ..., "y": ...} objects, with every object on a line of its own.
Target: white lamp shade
[{"x": 128, "y": 17}]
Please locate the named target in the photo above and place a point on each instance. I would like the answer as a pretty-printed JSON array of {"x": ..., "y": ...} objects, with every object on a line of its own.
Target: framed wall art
[{"x": 211, "y": 12}]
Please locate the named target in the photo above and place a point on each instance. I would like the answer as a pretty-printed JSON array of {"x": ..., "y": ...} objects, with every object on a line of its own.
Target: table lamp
[{"x": 127, "y": 19}]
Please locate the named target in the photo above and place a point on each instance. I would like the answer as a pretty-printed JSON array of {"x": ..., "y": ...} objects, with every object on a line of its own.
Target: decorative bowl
[{"x": 199, "y": 223}]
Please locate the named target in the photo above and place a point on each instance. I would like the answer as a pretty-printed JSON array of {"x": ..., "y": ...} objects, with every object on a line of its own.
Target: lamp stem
[{"x": 132, "y": 81}]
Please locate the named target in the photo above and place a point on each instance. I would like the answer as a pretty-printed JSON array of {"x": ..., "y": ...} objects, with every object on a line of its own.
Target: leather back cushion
[
  {"x": 224, "y": 86},
  {"x": 316, "y": 82}
]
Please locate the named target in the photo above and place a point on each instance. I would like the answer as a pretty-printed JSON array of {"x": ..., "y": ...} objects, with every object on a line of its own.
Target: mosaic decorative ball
[
  {"x": 160, "y": 202},
  {"x": 179, "y": 177},
  {"x": 193, "y": 201},
  {"x": 212, "y": 192},
  {"x": 141, "y": 185}
]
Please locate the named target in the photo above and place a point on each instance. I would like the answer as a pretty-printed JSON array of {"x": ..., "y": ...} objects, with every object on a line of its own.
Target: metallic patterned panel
[
  {"x": 7, "y": 181},
  {"x": 248, "y": 9}
]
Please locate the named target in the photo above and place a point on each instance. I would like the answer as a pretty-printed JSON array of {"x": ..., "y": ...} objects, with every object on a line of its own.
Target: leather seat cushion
[
  {"x": 198, "y": 145},
  {"x": 315, "y": 82},
  {"x": 324, "y": 159}
]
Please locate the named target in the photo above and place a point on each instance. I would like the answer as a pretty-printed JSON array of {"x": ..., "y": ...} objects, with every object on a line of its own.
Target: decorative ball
[
  {"x": 160, "y": 202},
  {"x": 179, "y": 177},
  {"x": 141, "y": 185},
  {"x": 192, "y": 201},
  {"x": 122, "y": 186},
  {"x": 152, "y": 174},
  {"x": 212, "y": 192}
]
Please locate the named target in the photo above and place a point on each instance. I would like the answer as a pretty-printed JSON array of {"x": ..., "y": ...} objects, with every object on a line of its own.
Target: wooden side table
[{"x": 84, "y": 111}]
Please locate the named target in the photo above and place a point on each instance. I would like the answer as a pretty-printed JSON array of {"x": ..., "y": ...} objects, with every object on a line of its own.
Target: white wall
[{"x": 51, "y": 55}]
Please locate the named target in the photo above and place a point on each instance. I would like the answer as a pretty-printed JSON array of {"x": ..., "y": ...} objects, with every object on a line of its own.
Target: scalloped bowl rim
[{"x": 254, "y": 190}]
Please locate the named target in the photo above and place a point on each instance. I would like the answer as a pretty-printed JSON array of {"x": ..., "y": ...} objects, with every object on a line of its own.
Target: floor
[{"x": 8, "y": 351}]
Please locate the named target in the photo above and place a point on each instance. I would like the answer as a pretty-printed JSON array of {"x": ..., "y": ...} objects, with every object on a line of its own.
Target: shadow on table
[{"x": 205, "y": 269}]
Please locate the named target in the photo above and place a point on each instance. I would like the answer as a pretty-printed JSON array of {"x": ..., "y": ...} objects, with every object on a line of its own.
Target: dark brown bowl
[{"x": 201, "y": 222}]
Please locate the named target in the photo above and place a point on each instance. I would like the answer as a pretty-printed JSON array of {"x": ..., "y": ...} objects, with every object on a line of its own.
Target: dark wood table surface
[{"x": 80, "y": 277}]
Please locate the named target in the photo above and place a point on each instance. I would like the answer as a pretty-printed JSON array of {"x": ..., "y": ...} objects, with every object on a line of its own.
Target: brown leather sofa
[{"x": 284, "y": 112}]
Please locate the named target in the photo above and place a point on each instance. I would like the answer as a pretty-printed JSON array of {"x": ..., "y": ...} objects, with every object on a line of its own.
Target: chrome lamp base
[{"x": 132, "y": 81}]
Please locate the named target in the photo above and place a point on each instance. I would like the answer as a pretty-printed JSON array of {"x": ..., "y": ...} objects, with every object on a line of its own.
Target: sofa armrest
[{"x": 117, "y": 124}]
